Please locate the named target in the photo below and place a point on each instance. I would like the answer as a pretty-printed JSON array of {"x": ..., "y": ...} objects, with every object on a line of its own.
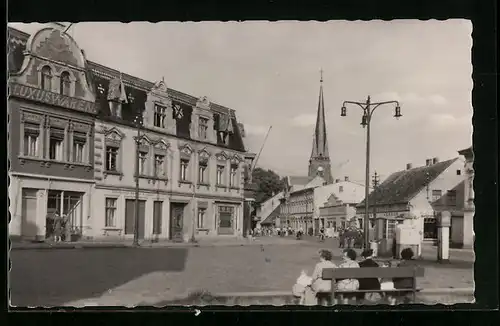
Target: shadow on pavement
[{"x": 47, "y": 278}]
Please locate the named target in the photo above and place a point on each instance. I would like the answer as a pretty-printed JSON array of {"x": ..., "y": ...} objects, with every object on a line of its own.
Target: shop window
[
  {"x": 46, "y": 78},
  {"x": 160, "y": 116},
  {"x": 184, "y": 169},
  {"x": 430, "y": 228},
  {"x": 56, "y": 144},
  {"x": 112, "y": 158},
  {"x": 65, "y": 84},
  {"x": 110, "y": 212}
]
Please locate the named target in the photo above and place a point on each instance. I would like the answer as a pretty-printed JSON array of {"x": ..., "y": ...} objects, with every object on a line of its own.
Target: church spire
[
  {"x": 320, "y": 142},
  {"x": 319, "y": 163}
]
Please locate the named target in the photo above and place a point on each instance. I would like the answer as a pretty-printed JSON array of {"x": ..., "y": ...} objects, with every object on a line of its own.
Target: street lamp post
[
  {"x": 368, "y": 109},
  {"x": 138, "y": 122}
]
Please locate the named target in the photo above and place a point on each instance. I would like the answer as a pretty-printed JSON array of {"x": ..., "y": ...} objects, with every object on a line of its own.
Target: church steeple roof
[{"x": 320, "y": 141}]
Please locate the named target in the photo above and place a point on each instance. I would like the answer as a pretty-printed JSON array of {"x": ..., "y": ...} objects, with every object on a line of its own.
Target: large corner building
[{"x": 74, "y": 126}]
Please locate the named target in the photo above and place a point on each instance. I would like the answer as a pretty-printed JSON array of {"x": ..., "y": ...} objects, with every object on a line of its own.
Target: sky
[{"x": 269, "y": 72}]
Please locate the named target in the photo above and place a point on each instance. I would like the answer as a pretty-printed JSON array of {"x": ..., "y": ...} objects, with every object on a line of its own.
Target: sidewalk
[{"x": 210, "y": 242}]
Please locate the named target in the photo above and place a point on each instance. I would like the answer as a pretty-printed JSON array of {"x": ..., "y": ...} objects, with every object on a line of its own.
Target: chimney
[
  {"x": 409, "y": 166},
  {"x": 337, "y": 180},
  {"x": 435, "y": 160},
  {"x": 346, "y": 178}
]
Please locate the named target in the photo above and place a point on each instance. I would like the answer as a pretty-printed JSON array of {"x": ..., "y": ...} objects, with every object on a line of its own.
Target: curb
[{"x": 143, "y": 246}]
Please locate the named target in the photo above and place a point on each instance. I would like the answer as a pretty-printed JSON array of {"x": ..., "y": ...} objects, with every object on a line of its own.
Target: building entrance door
[
  {"x": 226, "y": 220},
  {"x": 130, "y": 217},
  {"x": 29, "y": 228},
  {"x": 177, "y": 222}
]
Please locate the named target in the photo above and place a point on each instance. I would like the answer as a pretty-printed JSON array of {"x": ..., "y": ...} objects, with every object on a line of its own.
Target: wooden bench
[{"x": 373, "y": 272}]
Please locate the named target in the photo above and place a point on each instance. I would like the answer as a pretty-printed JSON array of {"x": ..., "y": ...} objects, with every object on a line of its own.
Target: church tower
[{"x": 319, "y": 163}]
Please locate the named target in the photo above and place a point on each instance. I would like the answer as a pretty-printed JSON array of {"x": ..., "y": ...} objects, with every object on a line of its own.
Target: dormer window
[
  {"x": 160, "y": 116},
  {"x": 65, "y": 84},
  {"x": 202, "y": 128},
  {"x": 46, "y": 78}
]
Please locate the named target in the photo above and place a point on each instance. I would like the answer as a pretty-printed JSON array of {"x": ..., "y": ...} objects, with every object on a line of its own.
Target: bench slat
[{"x": 372, "y": 272}]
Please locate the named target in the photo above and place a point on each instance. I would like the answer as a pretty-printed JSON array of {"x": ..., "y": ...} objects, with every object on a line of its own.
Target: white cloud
[
  {"x": 304, "y": 120},
  {"x": 438, "y": 99},
  {"x": 411, "y": 98},
  {"x": 446, "y": 120},
  {"x": 255, "y": 130}
]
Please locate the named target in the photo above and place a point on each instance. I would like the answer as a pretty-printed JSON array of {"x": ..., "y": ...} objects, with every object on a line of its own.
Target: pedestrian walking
[{"x": 58, "y": 228}]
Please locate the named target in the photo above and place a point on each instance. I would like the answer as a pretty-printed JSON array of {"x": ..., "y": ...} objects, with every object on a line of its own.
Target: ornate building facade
[{"x": 83, "y": 125}]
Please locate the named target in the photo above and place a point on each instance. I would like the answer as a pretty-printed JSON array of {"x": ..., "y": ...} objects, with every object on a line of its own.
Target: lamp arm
[
  {"x": 357, "y": 103},
  {"x": 376, "y": 105}
]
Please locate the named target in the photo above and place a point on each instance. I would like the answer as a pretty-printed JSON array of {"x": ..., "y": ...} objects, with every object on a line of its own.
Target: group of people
[{"x": 315, "y": 290}]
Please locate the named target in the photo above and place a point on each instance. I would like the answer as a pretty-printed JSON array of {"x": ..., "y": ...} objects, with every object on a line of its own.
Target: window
[
  {"x": 46, "y": 78},
  {"x": 202, "y": 128},
  {"x": 157, "y": 214},
  {"x": 160, "y": 116},
  {"x": 56, "y": 142},
  {"x": 436, "y": 195},
  {"x": 110, "y": 212},
  {"x": 451, "y": 198},
  {"x": 159, "y": 165},
  {"x": 111, "y": 158},
  {"x": 200, "y": 222},
  {"x": 202, "y": 173},
  {"x": 143, "y": 158},
  {"x": 220, "y": 174},
  {"x": 30, "y": 144},
  {"x": 79, "y": 140},
  {"x": 459, "y": 172},
  {"x": 78, "y": 152},
  {"x": 65, "y": 84},
  {"x": 184, "y": 169},
  {"x": 341, "y": 188},
  {"x": 233, "y": 180}
]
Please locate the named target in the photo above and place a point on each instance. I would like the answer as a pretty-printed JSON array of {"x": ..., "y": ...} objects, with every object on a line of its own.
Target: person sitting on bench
[
  {"x": 348, "y": 284},
  {"x": 369, "y": 283},
  {"x": 405, "y": 283},
  {"x": 322, "y": 288}
]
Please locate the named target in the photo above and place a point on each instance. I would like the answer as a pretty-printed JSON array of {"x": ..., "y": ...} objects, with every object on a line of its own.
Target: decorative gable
[
  {"x": 56, "y": 48},
  {"x": 185, "y": 151},
  {"x": 161, "y": 145},
  {"x": 204, "y": 155},
  {"x": 113, "y": 136},
  {"x": 222, "y": 156},
  {"x": 236, "y": 159}
]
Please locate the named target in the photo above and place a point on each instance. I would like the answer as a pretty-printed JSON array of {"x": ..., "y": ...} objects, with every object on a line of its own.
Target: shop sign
[{"x": 43, "y": 96}]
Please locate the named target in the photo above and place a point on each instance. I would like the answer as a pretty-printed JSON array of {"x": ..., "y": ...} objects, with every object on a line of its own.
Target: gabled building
[
  {"x": 340, "y": 207},
  {"x": 77, "y": 128},
  {"x": 415, "y": 196},
  {"x": 267, "y": 208}
]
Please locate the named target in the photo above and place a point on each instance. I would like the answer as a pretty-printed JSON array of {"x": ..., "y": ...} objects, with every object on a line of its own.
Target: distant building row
[{"x": 414, "y": 196}]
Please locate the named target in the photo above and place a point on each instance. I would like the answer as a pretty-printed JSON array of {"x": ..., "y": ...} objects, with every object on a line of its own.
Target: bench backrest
[{"x": 372, "y": 272}]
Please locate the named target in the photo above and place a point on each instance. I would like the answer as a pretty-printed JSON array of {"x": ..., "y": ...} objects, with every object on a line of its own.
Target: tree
[{"x": 268, "y": 183}]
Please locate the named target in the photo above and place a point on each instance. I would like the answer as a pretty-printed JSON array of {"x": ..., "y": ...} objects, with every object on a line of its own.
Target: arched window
[
  {"x": 65, "y": 84},
  {"x": 46, "y": 78}
]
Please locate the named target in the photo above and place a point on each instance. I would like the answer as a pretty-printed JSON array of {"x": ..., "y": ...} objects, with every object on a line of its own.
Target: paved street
[{"x": 128, "y": 276}]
